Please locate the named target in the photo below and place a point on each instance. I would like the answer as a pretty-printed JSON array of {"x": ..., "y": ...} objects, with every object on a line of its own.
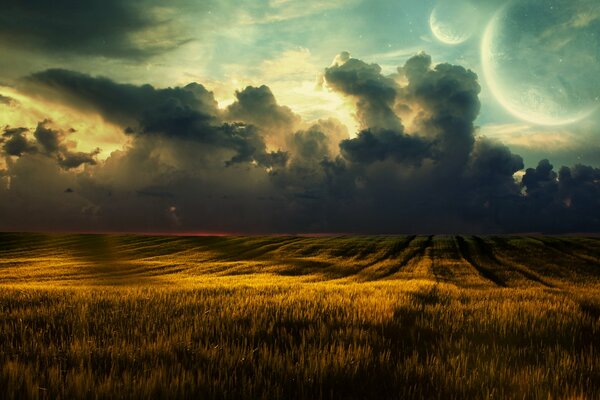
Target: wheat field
[{"x": 395, "y": 317}]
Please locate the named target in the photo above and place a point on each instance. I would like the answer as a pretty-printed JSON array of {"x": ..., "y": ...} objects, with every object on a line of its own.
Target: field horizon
[
  {"x": 503, "y": 260},
  {"x": 407, "y": 316}
]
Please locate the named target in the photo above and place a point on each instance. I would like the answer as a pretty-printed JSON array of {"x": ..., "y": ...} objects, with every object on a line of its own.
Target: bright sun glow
[{"x": 91, "y": 130}]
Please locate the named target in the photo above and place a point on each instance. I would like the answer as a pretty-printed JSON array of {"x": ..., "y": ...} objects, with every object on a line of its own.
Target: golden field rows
[{"x": 123, "y": 316}]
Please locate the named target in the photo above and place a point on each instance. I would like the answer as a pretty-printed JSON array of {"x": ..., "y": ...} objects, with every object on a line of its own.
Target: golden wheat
[{"x": 108, "y": 316}]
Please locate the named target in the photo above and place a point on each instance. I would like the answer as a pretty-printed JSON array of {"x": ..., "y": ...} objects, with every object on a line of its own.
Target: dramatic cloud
[
  {"x": 493, "y": 165},
  {"x": 110, "y": 28},
  {"x": 15, "y": 143},
  {"x": 188, "y": 113},
  {"x": 123, "y": 104},
  {"x": 565, "y": 201},
  {"x": 48, "y": 142},
  {"x": 446, "y": 101},
  {"x": 54, "y": 144},
  {"x": 48, "y": 138},
  {"x": 416, "y": 165},
  {"x": 378, "y": 145},
  {"x": 374, "y": 93},
  {"x": 257, "y": 106}
]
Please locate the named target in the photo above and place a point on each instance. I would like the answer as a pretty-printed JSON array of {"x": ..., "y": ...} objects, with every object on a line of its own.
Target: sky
[{"x": 284, "y": 116}]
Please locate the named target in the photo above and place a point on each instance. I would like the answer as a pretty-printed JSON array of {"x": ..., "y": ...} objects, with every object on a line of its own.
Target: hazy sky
[{"x": 376, "y": 116}]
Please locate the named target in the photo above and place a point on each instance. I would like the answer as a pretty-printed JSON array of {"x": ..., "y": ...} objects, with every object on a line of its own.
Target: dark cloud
[
  {"x": 447, "y": 99},
  {"x": 444, "y": 98},
  {"x": 69, "y": 160},
  {"x": 541, "y": 179},
  {"x": 416, "y": 165},
  {"x": 248, "y": 144},
  {"x": 379, "y": 144},
  {"x": 48, "y": 142},
  {"x": 418, "y": 180},
  {"x": 580, "y": 192},
  {"x": 53, "y": 143},
  {"x": 15, "y": 143},
  {"x": 155, "y": 192},
  {"x": 492, "y": 164},
  {"x": 257, "y": 106},
  {"x": 184, "y": 113},
  {"x": 302, "y": 182},
  {"x": 123, "y": 104},
  {"x": 9, "y": 101},
  {"x": 311, "y": 145},
  {"x": 48, "y": 138},
  {"x": 565, "y": 201},
  {"x": 374, "y": 93},
  {"x": 108, "y": 28}
]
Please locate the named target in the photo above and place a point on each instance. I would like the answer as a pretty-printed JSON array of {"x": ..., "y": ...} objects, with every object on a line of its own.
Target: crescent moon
[{"x": 502, "y": 93}]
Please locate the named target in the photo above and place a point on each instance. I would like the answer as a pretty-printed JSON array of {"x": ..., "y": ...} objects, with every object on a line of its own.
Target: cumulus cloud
[
  {"x": 446, "y": 102},
  {"x": 70, "y": 160},
  {"x": 48, "y": 142},
  {"x": 49, "y": 139},
  {"x": 53, "y": 143},
  {"x": 416, "y": 165},
  {"x": 188, "y": 113},
  {"x": 257, "y": 106},
  {"x": 374, "y": 94},
  {"x": 15, "y": 143},
  {"x": 379, "y": 144},
  {"x": 566, "y": 200}
]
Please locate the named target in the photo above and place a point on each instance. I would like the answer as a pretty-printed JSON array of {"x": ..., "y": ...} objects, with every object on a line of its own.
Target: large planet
[
  {"x": 453, "y": 21},
  {"x": 541, "y": 59}
]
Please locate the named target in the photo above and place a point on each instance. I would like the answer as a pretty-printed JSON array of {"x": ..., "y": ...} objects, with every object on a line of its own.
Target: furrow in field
[
  {"x": 385, "y": 262},
  {"x": 312, "y": 246},
  {"x": 358, "y": 249},
  {"x": 327, "y": 261},
  {"x": 588, "y": 248},
  {"x": 529, "y": 254},
  {"x": 514, "y": 273},
  {"x": 146, "y": 248},
  {"x": 587, "y": 263},
  {"x": 395, "y": 248},
  {"x": 414, "y": 262},
  {"x": 124, "y": 248},
  {"x": 254, "y": 249},
  {"x": 470, "y": 255},
  {"x": 34, "y": 245},
  {"x": 231, "y": 247},
  {"x": 219, "y": 247},
  {"x": 340, "y": 257},
  {"x": 448, "y": 265},
  {"x": 464, "y": 261}
]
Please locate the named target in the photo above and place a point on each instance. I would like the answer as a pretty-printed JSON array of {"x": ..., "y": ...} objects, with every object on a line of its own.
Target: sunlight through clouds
[{"x": 90, "y": 130}]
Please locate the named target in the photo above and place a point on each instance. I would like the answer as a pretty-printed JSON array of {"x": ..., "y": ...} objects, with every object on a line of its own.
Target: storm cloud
[
  {"x": 183, "y": 113},
  {"x": 416, "y": 165},
  {"x": 258, "y": 106},
  {"x": 110, "y": 28},
  {"x": 14, "y": 142}
]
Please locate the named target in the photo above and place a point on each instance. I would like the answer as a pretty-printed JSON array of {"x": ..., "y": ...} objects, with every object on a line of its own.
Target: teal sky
[
  {"x": 286, "y": 44},
  {"x": 74, "y": 88}
]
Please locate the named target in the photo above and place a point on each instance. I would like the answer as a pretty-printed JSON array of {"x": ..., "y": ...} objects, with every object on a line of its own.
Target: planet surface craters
[
  {"x": 541, "y": 59},
  {"x": 453, "y": 22}
]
